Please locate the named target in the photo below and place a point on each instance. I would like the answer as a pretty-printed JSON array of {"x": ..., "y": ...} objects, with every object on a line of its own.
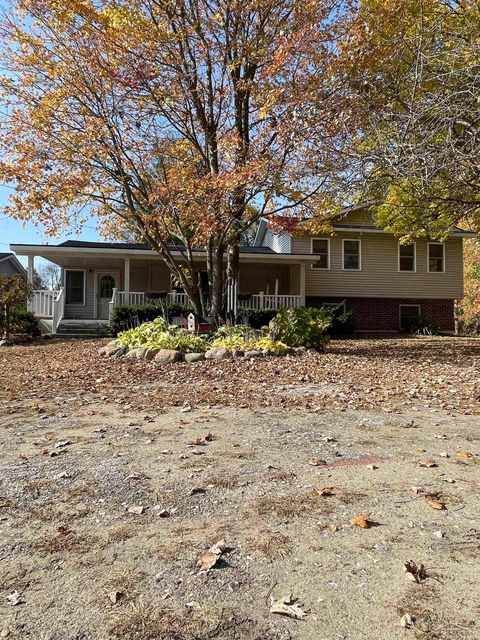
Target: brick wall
[{"x": 383, "y": 314}]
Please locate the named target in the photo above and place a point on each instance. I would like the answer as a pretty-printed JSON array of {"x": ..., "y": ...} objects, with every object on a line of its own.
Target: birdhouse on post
[{"x": 197, "y": 323}]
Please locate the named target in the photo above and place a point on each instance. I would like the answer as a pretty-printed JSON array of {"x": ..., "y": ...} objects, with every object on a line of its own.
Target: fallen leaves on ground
[
  {"x": 434, "y": 501},
  {"x": 208, "y": 559},
  {"x": 361, "y": 521},
  {"x": 326, "y": 491},
  {"x": 464, "y": 454},
  {"x": 288, "y": 606},
  {"x": 414, "y": 572}
]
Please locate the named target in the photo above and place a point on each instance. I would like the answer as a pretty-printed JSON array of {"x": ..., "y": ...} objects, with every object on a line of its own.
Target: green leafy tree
[{"x": 14, "y": 292}]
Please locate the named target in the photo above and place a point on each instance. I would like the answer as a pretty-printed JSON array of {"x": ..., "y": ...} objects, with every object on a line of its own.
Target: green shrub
[
  {"x": 256, "y": 318},
  {"x": 21, "y": 321},
  {"x": 244, "y": 338},
  {"x": 343, "y": 323},
  {"x": 158, "y": 335},
  {"x": 128, "y": 317},
  {"x": 301, "y": 327}
]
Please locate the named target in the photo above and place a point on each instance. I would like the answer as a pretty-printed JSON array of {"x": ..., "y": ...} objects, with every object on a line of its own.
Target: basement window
[{"x": 410, "y": 316}]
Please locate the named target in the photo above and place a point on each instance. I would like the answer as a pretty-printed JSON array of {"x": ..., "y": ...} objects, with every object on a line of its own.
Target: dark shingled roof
[
  {"x": 5, "y": 255},
  {"x": 142, "y": 246}
]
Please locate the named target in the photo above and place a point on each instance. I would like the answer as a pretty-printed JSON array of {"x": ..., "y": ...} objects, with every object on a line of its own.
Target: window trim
[
  {"x": 414, "y": 270},
  {"x": 76, "y": 304},
  {"x": 359, "y": 253},
  {"x": 444, "y": 265},
  {"x": 400, "y": 306},
  {"x": 312, "y": 266}
]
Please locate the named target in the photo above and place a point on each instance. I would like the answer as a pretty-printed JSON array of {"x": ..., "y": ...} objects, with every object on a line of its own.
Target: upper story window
[
  {"x": 321, "y": 247},
  {"x": 407, "y": 257},
  {"x": 352, "y": 259},
  {"x": 436, "y": 257},
  {"x": 74, "y": 286}
]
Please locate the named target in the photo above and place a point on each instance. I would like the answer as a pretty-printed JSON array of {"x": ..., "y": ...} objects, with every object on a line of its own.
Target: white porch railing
[
  {"x": 256, "y": 301},
  {"x": 58, "y": 309},
  {"x": 48, "y": 304},
  {"x": 41, "y": 303},
  {"x": 267, "y": 301}
]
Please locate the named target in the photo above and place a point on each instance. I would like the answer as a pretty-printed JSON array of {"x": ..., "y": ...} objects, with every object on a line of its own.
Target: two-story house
[{"x": 384, "y": 283}]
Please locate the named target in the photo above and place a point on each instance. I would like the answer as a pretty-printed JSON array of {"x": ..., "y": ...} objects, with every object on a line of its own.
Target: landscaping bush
[
  {"x": 244, "y": 338},
  {"x": 128, "y": 317},
  {"x": 256, "y": 318},
  {"x": 21, "y": 321},
  {"x": 343, "y": 323},
  {"x": 158, "y": 335},
  {"x": 301, "y": 327}
]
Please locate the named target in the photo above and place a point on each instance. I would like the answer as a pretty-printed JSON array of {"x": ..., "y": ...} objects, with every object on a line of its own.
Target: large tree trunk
[{"x": 217, "y": 281}]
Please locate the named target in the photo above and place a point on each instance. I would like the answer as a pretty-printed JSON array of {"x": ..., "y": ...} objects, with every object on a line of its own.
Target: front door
[{"x": 106, "y": 283}]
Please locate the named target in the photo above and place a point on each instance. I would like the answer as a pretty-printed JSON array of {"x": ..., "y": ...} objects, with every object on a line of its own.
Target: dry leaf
[
  {"x": 5, "y": 632},
  {"x": 406, "y": 621},
  {"x": 429, "y": 464},
  {"x": 207, "y": 560},
  {"x": 414, "y": 572},
  {"x": 464, "y": 454},
  {"x": 440, "y": 436},
  {"x": 198, "y": 442},
  {"x": 316, "y": 462},
  {"x": 361, "y": 521},
  {"x": 115, "y": 596},
  {"x": 209, "y": 437},
  {"x": 288, "y": 606},
  {"x": 325, "y": 491},
  {"x": 15, "y": 599},
  {"x": 372, "y": 467},
  {"x": 136, "y": 509},
  {"x": 434, "y": 502}
]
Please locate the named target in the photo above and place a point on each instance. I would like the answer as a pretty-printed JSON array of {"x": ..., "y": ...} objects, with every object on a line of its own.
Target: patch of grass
[
  {"x": 277, "y": 475},
  {"x": 81, "y": 490},
  {"x": 148, "y": 622},
  {"x": 120, "y": 533},
  {"x": 222, "y": 481},
  {"x": 271, "y": 544},
  {"x": 125, "y": 582},
  {"x": 292, "y": 505},
  {"x": 64, "y": 541}
]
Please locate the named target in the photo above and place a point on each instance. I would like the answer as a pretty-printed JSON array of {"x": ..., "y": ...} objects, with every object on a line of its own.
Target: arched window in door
[{"x": 107, "y": 284}]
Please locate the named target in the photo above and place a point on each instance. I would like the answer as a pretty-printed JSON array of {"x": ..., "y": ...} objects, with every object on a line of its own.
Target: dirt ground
[{"x": 115, "y": 476}]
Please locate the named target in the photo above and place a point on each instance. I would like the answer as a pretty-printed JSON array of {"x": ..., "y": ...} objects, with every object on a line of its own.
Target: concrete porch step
[{"x": 69, "y": 329}]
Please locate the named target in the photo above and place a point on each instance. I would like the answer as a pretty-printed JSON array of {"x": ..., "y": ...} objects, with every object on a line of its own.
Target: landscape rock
[
  {"x": 194, "y": 357},
  {"x": 253, "y": 353},
  {"x": 166, "y": 356},
  {"x": 120, "y": 352},
  {"x": 150, "y": 354},
  {"x": 141, "y": 352},
  {"x": 109, "y": 350},
  {"x": 132, "y": 353},
  {"x": 218, "y": 353},
  {"x": 299, "y": 350}
]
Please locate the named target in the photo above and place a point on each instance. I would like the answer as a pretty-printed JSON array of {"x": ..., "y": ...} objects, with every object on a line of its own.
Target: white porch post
[
  {"x": 30, "y": 269},
  {"x": 30, "y": 272},
  {"x": 302, "y": 285},
  {"x": 126, "y": 280}
]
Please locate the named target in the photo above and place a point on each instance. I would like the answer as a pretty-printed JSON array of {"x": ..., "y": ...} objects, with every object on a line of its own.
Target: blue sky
[{"x": 12, "y": 231}]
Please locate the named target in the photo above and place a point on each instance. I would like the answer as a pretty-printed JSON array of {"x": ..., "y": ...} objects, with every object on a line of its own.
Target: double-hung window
[
  {"x": 74, "y": 286},
  {"x": 407, "y": 257},
  {"x": 321, "y": 247},
  {"x": 436, "y": 257},
  {"x": 352, "y": 259}
]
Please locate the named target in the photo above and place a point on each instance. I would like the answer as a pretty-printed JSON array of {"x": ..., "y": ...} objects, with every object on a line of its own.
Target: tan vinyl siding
[
  {"x": 7, "y": 268},
  {"x": 280, "y": 242},
  {"x": 379, "y": 276}
]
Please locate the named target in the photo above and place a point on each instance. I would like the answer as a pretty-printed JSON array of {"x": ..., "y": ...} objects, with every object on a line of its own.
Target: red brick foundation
[{"x": 383, "y": 314}]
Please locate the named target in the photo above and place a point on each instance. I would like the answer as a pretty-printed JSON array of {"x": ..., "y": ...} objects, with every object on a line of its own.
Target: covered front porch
[{"x": 95, "y": 281}]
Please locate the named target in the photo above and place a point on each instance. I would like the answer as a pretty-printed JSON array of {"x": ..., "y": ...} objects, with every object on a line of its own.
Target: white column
[
  {"x": 30, "y": 269},
  {"x": 127, "y": 279},
  {"x": 302, "y": 285}
]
